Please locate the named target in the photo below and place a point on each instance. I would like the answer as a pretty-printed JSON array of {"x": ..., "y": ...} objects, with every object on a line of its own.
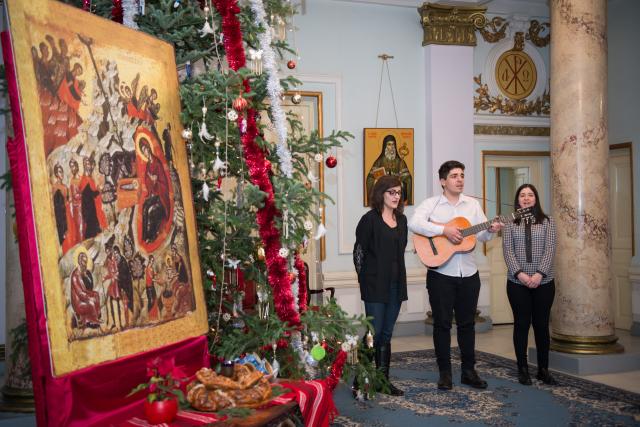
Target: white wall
[
  {"x": 624, "y": 89},
  {"x": 624, "y": 112},
  {"x": 339, "y": 42}
]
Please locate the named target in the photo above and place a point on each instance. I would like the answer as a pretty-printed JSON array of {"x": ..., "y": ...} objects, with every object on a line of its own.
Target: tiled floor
[{"x": 498, "y": 341}]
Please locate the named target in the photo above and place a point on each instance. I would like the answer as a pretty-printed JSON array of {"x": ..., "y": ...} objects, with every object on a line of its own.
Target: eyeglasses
[{"x": 394, "y": 193}]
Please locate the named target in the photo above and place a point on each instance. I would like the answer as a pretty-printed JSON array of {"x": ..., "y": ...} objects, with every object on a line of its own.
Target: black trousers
[
  {"x": 447, "y": 295},
  {"x": 531, "y": 306}
]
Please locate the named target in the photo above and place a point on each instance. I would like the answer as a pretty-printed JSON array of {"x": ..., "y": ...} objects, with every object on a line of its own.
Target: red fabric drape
[{"x": 91, "y": 396}]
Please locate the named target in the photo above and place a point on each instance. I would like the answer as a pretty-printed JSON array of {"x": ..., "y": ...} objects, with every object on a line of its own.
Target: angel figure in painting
[{"x": 84, "y": 300}]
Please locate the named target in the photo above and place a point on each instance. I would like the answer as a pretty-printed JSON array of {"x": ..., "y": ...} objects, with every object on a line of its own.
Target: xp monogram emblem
[{"x": 516, "y": 74}]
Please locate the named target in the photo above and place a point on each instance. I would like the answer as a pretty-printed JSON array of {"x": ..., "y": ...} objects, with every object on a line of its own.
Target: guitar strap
[{"x": 433, "y": 247}]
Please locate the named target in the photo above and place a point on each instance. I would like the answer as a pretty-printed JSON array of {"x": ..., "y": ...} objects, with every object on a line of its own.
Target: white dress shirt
[{"x": 439, "y": 209}]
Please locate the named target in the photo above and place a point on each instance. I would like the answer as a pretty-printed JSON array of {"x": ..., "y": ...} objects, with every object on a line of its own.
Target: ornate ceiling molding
[{"x": 451, "y": 25}]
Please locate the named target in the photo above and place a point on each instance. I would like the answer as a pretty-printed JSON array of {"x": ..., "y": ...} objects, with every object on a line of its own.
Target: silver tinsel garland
[
  {"x": 129, "y": 11},
  {"x": 273, "y": 87}
]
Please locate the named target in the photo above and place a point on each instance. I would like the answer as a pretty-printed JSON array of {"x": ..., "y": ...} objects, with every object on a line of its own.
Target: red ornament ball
[
  {"x": 291, "y": 64},
  {"x": 331, "y": 162},
  {"x": 239, "y": 104}
]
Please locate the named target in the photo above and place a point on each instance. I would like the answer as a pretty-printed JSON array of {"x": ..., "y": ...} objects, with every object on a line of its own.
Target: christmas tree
[{"x": 256, "y": 203}]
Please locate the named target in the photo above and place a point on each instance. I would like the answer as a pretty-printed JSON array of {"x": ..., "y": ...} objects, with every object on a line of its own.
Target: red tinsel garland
[
  {"x": 302, "y": 283},
  {"x": 259, "y": 169},
  {"x": 116, "y": 11},
  {"x": 333, "y": 378}
]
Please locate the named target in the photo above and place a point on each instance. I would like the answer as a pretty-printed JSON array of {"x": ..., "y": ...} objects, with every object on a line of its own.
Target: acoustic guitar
[{"x": 435, "y": 251}]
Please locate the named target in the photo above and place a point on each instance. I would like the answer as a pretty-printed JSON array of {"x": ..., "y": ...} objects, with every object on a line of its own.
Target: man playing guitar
[{"x": 455, "y": 286}]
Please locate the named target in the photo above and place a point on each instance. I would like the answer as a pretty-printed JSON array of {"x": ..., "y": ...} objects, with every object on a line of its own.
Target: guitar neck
[{"x": 475, "y": 229}]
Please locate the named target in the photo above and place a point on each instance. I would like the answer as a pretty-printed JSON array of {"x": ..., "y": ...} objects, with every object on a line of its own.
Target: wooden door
[{"x": 621, "y": 233}]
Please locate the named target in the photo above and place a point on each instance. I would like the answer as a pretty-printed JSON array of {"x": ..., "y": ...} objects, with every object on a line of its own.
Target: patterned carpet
[{"x": 575, "y": 402}]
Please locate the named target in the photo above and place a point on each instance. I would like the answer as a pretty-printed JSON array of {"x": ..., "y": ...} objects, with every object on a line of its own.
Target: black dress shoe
[
  {"x": 523, "y": 375},
  {"x": 445, "y": 382},
  {"x": 394, "y": 391},
  {"x": 545, "y": 377},
  {"x": 471, "y": 378}
]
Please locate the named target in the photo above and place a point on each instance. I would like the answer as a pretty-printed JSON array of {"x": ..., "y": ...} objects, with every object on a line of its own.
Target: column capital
[{"x": 451, "y": 25}]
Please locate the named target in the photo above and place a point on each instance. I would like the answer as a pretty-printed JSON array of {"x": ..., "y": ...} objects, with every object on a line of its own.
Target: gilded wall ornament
[
  {"x": 516, "y": 74},
  {"x": 534, "y": 33},
  {"x": 451, "y": 25},
  {"x": 499, "y": 104},
  {"x": 510, "y": 130},
  {"x": 494, "y": 30}
]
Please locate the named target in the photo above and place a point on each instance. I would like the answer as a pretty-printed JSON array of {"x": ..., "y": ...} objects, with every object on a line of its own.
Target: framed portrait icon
[{"x": 388, "y": 151}]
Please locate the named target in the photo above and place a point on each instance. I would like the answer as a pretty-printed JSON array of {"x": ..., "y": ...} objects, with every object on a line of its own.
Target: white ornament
[
  {"x": 308, "y": 225},
  {"x": 318, "y": 157},
  {"x": 205, "y": 192},
  {"x": 226, "y": 317},
  {"x": 219, "y": 165},
  {"x": 297, "y": 98},
  {"x": 232, "y": 115},
  {"x": 283, "y": 252},
  {"x": 321, "y": 232},
  {"x": 187, "y": 134},
  {"x": 204, "y": 133},
  {"x": 206, "y": 29},
  {"x": 345, "y": 346}
]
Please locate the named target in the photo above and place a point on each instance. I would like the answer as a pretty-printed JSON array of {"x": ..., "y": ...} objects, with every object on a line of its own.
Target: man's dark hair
[
  {"x": 376, "y": 198},
  {"x": 447, "y": 166}
]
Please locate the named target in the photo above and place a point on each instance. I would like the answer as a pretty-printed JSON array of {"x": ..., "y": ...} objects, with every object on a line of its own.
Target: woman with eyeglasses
[{"x": 378, "y": 255}]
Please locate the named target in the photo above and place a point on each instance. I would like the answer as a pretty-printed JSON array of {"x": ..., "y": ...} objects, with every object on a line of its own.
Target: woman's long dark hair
[
  {"x": 376, "y": 198},
  {"x": 537, "y": 211}
]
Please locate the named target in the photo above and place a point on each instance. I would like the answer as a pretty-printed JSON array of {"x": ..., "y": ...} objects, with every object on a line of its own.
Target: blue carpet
[{"x": 505, "y": 403}]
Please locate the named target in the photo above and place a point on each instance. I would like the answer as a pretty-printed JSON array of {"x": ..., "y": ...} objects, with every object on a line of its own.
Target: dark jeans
[
  {"x": 530, "y": 305},
  {"x": 447, "y": 295},
  {"x": 384, "y": 316}
]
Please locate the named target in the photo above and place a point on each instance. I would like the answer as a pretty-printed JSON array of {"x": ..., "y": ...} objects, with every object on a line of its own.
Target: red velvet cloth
[{"x": 91, "y": 396}]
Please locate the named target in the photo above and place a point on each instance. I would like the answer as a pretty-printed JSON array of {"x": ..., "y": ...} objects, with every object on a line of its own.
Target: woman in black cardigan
[{"x": 381, "y": 238}]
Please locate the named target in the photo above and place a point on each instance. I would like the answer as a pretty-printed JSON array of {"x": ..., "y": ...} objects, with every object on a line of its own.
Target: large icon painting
[{"x": 110, "y": 184}]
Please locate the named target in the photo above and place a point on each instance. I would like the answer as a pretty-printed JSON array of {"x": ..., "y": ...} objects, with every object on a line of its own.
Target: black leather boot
[
  {"x": 523, "y": 375},
  {"x": 445, "y": 382},
  {"x": 383, "y": 360},
  {"x": 470, "y": 377},
  {"x": 545, "y": 377}
]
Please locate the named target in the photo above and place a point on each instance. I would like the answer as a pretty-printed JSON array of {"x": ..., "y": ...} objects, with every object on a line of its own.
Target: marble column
[{"x": 582, "y": 317}]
